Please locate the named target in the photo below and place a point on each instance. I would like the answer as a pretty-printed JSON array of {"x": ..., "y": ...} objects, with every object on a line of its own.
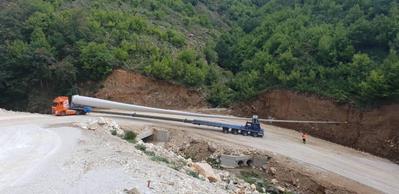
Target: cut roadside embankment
[{"x": 374, "y": 131}]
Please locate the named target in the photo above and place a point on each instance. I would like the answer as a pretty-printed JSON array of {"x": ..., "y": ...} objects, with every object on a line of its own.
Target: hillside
[
  {"x": 232, "y": 50},
  {"x": 51, "y": 48}
]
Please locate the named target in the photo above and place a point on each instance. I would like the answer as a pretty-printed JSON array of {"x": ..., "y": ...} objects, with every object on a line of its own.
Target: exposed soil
[
  {"x": 288, "y": 174},
  {"x": 375, "y": 131},
  {"x": 131, "y": 87}
]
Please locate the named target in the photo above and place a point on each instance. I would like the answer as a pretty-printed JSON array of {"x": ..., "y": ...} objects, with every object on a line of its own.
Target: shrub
[
  {"x": 252, "y": 177},
  {"x": 160, "y": 159},
  {"x": 140, "y": 147},
  {"x": 193, "y": 174},
  {"x": 149, "y": 153},
  {"x": 113, "y": 132},
  {"x": 130, "y": 136}
]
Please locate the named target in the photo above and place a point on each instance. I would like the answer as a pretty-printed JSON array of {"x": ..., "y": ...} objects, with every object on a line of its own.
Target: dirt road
[
  {"x": 319, "y": 157},
  {"x": 369, "y": 174},
  {"x": 46, "y": 154}
]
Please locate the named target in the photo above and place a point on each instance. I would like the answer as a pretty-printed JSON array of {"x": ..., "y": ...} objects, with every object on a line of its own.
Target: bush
[
  {"x": 160, "y": 159},
  {"x": 252, "y": 177},
  {"x": 113, "y": 132},
  {"x": 219, "y": 95},
  {"x": 193, "y": 174},
  {"x": 176, "y": 38},
  {"x": 130, "y": 135},
  {"x": 140, "y": 147},
  {"x": 160, "y": 69},
  {"x": 97, "y": 59},
  {"x": 149, "y": 153},
  {"x": 215, "y": 163}
]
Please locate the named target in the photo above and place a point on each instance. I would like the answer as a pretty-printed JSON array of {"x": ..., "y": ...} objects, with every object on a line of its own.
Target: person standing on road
[{"x": 304, "y": 136}]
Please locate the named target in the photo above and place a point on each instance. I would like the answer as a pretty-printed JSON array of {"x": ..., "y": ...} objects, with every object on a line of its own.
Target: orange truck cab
[{"x": 61, "y": 107}]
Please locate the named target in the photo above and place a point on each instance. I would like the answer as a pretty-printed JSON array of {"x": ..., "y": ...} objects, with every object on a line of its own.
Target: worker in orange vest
[{"x": 304, "y": 136}]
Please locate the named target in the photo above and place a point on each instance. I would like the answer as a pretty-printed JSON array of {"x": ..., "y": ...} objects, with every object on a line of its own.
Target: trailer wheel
[
  {"x": 245, "y": 133},
  {"x": 235, "y": 131},
  {"x": 225, "y": 130}
]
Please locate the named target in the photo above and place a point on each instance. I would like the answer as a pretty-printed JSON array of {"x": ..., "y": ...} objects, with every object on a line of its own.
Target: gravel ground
[{"x": 64, "y": 159}]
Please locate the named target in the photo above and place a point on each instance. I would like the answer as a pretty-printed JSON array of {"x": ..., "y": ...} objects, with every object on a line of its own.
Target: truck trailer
[{"x": 82, "y": 105}]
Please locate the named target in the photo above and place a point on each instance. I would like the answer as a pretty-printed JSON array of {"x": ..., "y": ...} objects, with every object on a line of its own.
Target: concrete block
[
  {"x": 147, "y": 132},
  {"x": 230, "y": 161}
]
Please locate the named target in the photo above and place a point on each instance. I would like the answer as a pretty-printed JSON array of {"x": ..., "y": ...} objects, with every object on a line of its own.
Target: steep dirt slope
[
  {"x": 131, "y": 87},
  {"x": 375, "y": 131}
]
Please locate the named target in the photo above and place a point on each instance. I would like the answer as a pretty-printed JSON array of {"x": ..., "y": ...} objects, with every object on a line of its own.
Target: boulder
[
  {"x": 281, "y": 189},
  {"x": 205, "y": 170},
  {"x": 272, "y": 170}
]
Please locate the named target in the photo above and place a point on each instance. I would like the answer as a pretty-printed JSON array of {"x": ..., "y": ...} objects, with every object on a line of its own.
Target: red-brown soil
[
  {"x": 131, "y": 87},
  {"x": 375, "y": 131}
]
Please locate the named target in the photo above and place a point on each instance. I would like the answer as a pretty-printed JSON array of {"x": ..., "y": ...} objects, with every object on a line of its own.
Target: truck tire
[
  {"x": 225, "y": 130},
  {"x": 245, "y": 133},
  {"x": 235, "y": 131}
]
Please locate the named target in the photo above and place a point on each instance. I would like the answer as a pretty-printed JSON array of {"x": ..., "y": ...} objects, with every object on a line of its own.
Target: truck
[{"x": 82, "y": 105}]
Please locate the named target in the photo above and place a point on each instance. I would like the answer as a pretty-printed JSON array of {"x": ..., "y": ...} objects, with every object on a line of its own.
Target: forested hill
[{"x": 233, "y": 49}]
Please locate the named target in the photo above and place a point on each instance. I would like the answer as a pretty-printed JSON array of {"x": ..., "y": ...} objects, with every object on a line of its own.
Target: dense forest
[{"x": 232, "y": 49}]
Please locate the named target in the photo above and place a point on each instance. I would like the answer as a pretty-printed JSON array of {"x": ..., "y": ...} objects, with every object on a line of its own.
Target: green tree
[{"x": 97, "y": 59}]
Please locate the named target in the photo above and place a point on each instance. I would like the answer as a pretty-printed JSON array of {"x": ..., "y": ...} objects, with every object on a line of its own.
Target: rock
[
  {"x": 294, "y": 181},
  {"x": 263, "y": 190},
  {"x": 264, "y": 167},
  {"x": 193, "y": 141},
  {"x": 189, "y": 162},
  {"x": 132, "y": 191},
  {"x": 281, "y": 189},
  {"x": 101, "y": 121},
  {"x": 272, "y": 190},
  {"x": 92, "y": 127},
  {"x": 272, "y": 170},
  {"x": 253, "y": 187},
  {"x": 326, "y": 191},
  {"x": 230, "y": 186},
  {"x": 206, "y": 170},
  {"x": 211, "y": 148},
  {"x": 224, "y": 175},
  {"x": 274, "y": 181}
]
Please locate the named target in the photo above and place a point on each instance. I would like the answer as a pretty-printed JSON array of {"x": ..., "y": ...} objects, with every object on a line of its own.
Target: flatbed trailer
[{"x": 252, "y": 128}]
